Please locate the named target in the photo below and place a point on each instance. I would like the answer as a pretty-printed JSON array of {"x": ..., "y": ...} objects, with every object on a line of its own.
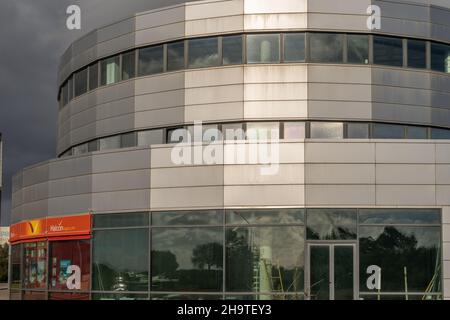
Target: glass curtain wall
[{"x": 237, "y": 254}]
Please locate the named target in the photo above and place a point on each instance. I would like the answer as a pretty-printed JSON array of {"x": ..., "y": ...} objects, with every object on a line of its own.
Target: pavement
[{"x": 4, "y": 294}]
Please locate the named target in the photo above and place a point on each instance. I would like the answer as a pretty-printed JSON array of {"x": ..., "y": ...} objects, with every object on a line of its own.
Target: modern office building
[{"x": 354, "y": 205}]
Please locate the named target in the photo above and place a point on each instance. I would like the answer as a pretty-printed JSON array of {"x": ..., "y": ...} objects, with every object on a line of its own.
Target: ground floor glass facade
[{"x": 239, "y": 254}]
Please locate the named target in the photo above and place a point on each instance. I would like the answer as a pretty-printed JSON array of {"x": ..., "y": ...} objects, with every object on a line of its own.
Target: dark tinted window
[
  {"x": 417, "y": 54},
  {"x": 151, "y": 60},
  {"x": 187, "y": 259},
  {"x": 175, "y": 56},
  {"x": 408, "y": 255},
  {"x": 326, "y": 47},
  {"x": 357, "y": 130},
  {"x": 358, "y": 48},
  {"x": 128, "y": 65},
  {"x": 416, "y": 133},
  {"x": 388, "y": 131},
  {"x": 81, "y": 82},
  {"x": 232, "y": 50},
  {"x": 128, "y": 140},
  {"x": 93, "y": 76},
  {"x": 440, "y": 133},
  {"x": 388, "y": 51},
  {"x": 121, "y": 220},
  {"x": 440, "y": 57},
  {"x": 203, "y": 52},
  {"x": 120, "y": 260}
]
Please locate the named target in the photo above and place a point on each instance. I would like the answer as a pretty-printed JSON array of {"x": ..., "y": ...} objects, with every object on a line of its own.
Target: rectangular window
[
  {"x": 93, "y": 76},
  {"x": 16, "y": 262},
  {"x": 388, "y": 51},
  {"x": 178, "y": 135},
  {"x": 263, "y": 48},
  {"x": 357, "y": 130},
  {"x": 121, "y": 220},
  {"x": 416, "y": 133},
  {"x": 110, "y": 143},
  {"x": 326, "y": 130},
  {"x": 81, "y": 149},
  {"x": 70, "y": 90},
  {"x": 268, "y": 216},
  {"x": 210, "y": 133},
  {"x": 358, "y": 48},
  {"x": 440, "y": 133},
  {"x": 175, "y": 56},
  {"x": 187, "y": 259},
  {"x": 65, "y": 93},
  {"x": 388, "y": 131},
  {"x": 294, "y": 130},
  {"x": 440, "y": 57},
  {"x": 331, "y": 224},
  {"x": 35, "y": 265},
  {"x": 263, "y": 131},
  {"x": 265, "y": 259},
  {"x": 151, "y": 60},
  {"x": 128, "y": 65},
  {"x": 326, "y": 47},
  {"x": 185, "y": 218},
  {"x": 232, "y": 50},
  {"x": 294, "y": 47},
  {"x": 69, "y": 253},
  {"x": 417, "y": 54},
  {"x": 81, "y": 82},
  {"x": 233, "y": 131},
  {"x": 149, "y": 137},
  {"x": 128, "y": 140},
  {"x": 120, "y": 260},
  {"x": 93, "y": 146},
  {"x": 409, "y": 258},
  {"x": 110, "y": 70},
  {"x": 399, "y": 216},
  {"x": 203, "y": 52}
]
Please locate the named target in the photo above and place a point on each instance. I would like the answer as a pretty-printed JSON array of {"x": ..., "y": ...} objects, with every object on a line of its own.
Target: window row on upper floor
[
  {"x": 259, "y": 131},
  {"x": 258, "y": 48}
]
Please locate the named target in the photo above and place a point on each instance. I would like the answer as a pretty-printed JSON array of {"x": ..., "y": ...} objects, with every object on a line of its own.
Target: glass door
[{"x": 331, "y": 273}]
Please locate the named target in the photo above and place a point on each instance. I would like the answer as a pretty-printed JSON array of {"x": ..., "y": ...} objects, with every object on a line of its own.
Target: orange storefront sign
[{"x": 69, "y": 226}]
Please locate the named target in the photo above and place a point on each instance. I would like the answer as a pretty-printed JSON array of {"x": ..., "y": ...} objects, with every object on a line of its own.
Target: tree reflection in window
[
  {"x": 331, "y": 224},
  {"x": 396, "y": 249},
  {"x": 187, "y": 259}
]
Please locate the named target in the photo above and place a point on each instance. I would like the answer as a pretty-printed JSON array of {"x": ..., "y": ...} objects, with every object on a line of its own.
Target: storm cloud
[{"x": 33, "y": 36}]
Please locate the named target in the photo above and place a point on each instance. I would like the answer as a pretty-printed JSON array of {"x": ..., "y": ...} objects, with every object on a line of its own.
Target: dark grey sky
[{"x": 33, "y": 36}]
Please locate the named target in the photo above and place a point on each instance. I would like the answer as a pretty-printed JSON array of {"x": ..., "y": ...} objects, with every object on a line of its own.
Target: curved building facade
[{"x": 246, "y": 149}]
